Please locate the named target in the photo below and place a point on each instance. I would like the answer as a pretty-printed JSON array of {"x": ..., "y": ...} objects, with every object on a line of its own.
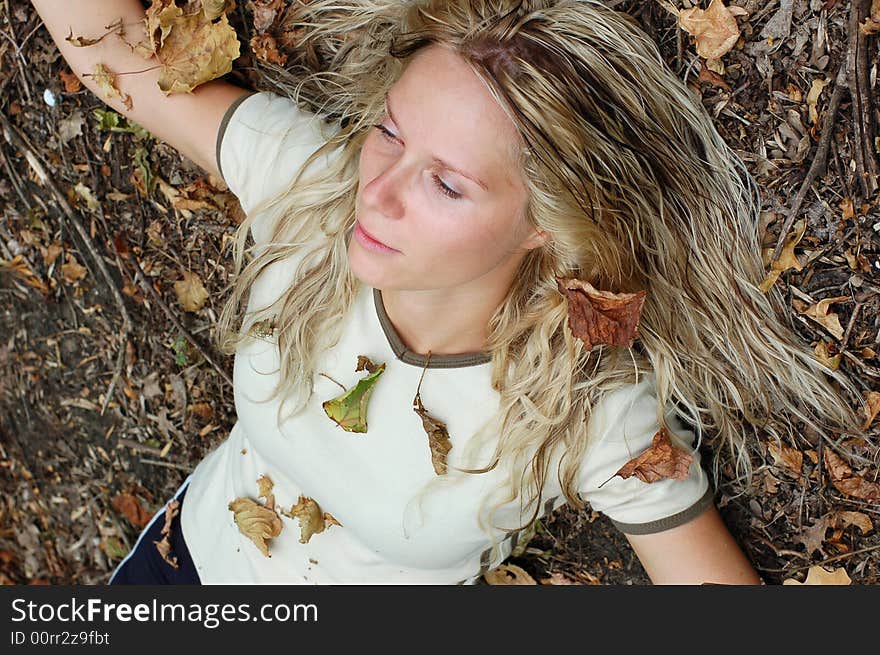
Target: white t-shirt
[{"x": 366, "y": 481}]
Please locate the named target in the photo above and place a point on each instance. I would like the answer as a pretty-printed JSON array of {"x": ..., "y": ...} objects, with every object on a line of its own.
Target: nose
[{"x": 384, "y": 193}]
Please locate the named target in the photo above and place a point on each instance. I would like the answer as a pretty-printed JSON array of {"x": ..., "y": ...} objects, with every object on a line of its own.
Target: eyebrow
[{"x": 436, "y": 160}]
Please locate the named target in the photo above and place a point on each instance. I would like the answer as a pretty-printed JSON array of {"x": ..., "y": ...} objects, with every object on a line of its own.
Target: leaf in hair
[
  {"x": 349, "y": 410},
  {"x": 438, "y": 437},
  {"x": 601, "y": 317},
  {"x": 662, "y": 460}
]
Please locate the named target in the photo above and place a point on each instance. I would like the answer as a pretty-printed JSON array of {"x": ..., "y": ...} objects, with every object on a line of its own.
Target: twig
[
  {"x": 145, "y": 284},
  {"x": 170, "y": 465},
  {"x": 857, "y": 67},
  {"x": 849, "y": 326},
  {"x": 817, "y": 167}
]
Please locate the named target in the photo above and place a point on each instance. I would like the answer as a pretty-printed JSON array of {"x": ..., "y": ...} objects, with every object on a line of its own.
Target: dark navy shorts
[{"x": 144, "y": 564}]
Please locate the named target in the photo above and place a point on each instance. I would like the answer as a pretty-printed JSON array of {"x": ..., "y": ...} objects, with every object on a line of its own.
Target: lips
[{"x": 379, "y": 241}]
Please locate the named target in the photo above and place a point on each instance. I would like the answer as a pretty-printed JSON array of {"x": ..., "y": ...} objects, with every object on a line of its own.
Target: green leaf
[{"x": 349, "y": 410}]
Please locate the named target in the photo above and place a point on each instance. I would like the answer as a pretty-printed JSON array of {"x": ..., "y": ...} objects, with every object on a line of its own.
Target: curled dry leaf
[
  {"x": 191, "y": 292},
  {"x": 164, "y": 544},
  {"x": 508, "y": 574},
  {"x": 349, "y": 411},
  {"x": 661, "y": 460},
  {"x": 438, "y": 436},
  {"x": 601, "y": 317},
  {"x": 820, "y": 576},
  {"x": 787, "y": 457},
  {"x": 787, "y": 259},
  {"x": 130, "y": 507},
  {"x": 265, "y": 484},
  {"x": 714, "y": 29},
  {"x": 846, "y": 481},
  {"x": 820, "y": 313},
  {"x": 256, "y": 522},
  {"x": 311, "y": 518}
]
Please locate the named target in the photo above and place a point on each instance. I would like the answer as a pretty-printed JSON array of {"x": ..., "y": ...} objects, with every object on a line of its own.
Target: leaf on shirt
[
  {"x": 662, "y": 460},
  {"x": 164, "y": 544},
  {"x": 349, "y": 410},
  {"x": 265, "y": 484},
  {"x": 256, "y": 522},
  {"x": 846, "y": 481},
  {"x": 601, "y": 317},
  {"x": 312, "y": 520},
  {"x": 106, "y": 81},
  {"x": 818, "y": 575},
  {"x": 438, "y": 437}
]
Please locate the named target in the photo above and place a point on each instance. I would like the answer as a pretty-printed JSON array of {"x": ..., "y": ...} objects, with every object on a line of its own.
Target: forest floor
[{"x": 97, "y": 431}]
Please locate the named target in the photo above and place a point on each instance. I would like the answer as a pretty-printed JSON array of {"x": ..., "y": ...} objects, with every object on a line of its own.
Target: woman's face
[{"x": 438, "y": 184}]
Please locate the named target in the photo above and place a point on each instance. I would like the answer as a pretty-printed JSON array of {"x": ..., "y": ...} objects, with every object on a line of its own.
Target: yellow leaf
[
  {"x": 86, "y": 194},
  {"x": 508, "y": 574},
  {"x": 813, "y": 98},
  {"x": 311, "y": 518},
  {"x": 196, "y": 51},
  {"x": 820, "y": 576},
  {"x": 787, "y": 259},
  {"x": 191, "y": 292},
  {"x": 714, "y": 29},
  {"x": 106, "y": 81},
  {"x": 256, "y": 522}
]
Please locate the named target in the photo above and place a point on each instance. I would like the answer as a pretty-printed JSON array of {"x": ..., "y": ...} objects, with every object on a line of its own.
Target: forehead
[{"x": 446, "y": 111}]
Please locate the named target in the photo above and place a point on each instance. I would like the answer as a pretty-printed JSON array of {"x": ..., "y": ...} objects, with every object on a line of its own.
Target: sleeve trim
[
  {"x": 223, "y": 125},
  {"x": 668, "y": 522}
]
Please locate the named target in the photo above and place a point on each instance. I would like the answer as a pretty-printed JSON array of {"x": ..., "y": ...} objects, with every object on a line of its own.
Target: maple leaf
[
  {"x": 130, "y": 507},
  {"x": 661, "y": 460},
  {"x": 310, "y": 516},
  {"x": 349, "y": 410},
  {"x": 106, "y": 81},
  {"x": 846, "y": 481},
  {"x": 213, "y": 8},
  {"x": 256, "y": 522},
  {"x": 714, "y": 28},
  {"x": 438, "y": 436},
  {"x": 196, "y": 51},
  {"x": 191, "y": 292},
  {"x": 817, "y": 575},
  {"x": 601, "y": 317},
  {"x": 508, "y": 574}
]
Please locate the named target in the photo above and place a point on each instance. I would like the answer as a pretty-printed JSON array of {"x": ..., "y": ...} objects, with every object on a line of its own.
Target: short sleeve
[
  {"x": 263, "y": 141},
  {"x": 622, "y": 426}
]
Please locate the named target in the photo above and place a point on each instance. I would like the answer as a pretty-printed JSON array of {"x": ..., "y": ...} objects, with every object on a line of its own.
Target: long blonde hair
[{"x": 628, "y": 175}]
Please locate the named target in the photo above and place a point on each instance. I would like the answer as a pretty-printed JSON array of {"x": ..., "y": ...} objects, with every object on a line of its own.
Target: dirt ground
[{"x": 98, "y": 430}]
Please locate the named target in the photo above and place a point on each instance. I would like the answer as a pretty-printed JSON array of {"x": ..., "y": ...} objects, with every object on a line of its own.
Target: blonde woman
[{"x": 416, "y": 206}]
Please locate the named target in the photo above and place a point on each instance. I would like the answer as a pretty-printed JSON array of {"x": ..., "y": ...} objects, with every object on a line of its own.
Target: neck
[{"x": 448, "y": 321}]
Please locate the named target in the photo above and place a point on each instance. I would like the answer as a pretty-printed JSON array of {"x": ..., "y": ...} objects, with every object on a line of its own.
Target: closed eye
[{"x": 438, "y": 182}]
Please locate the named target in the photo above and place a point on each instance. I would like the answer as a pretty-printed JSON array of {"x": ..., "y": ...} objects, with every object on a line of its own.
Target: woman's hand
[
  {"x": 699, "y": 551},
  {"x": 187, "y": 122}
]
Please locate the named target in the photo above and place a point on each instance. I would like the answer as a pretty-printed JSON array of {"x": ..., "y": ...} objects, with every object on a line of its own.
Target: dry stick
[
  {"x": 857, "y": 67},
  {"x": 145, "y": 284},
  {"x": 15, "y": 139},
  {"x": 819, "y": 160}
]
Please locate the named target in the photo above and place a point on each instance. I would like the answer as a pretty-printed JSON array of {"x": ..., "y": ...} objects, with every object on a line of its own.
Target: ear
[{"x": 535, "y": 239}]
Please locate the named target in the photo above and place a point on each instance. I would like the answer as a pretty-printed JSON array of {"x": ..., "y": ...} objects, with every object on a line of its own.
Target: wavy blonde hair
[{"x": 625, "y": 171}]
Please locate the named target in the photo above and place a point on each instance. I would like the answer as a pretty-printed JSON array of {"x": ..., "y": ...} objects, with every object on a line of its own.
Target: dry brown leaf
[
  {"x": 72, "y": 271},
  {"x": 787, "y": 259},
  {"x": 559, "y": 578},
  {"x": 813, "y": 98},
  {"x": 164, "y": 545},
  {"x": 872, "y": 22},
  {"x": 820, "y": 314},
  {"x": 71, "y": 82},
  {"x": 266, "y": 49},
  {"x": 813, "y": 535},
  {"x": 191, "y": 292},
  {"x": 822, "y": 354},
  {"x": 787, "y": 457},
  {"x": 714, "y": 28},
  {"x": 311, "y": 518},
  {"x": 820, "y": 576},
  {"x": 872, "y": 407},
  {"x": 18, "y": 266},
  {"x": 438, "y": 437},
  {"x": 601, "y": 317},
  {"x": 661, "y": 460},
  {"x": 265, "y": 484},
  {"x": 859, "y": 519},
  {"x": 130, "y": 507},
  {"x": 846, "y": 481},
  {"x": 106, "y": 81},
  {"x": 329, "y": 519},
  {"x": 256, "y": 522},
  {"x": 265, "y": 12},
  {"x": 213, "y": 8},
  {"x": 508, "y": 574},
  {"x": 196, "y": 51}
]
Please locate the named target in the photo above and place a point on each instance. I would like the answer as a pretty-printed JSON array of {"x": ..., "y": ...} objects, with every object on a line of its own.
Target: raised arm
[{"x": 187, "y": 122}]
